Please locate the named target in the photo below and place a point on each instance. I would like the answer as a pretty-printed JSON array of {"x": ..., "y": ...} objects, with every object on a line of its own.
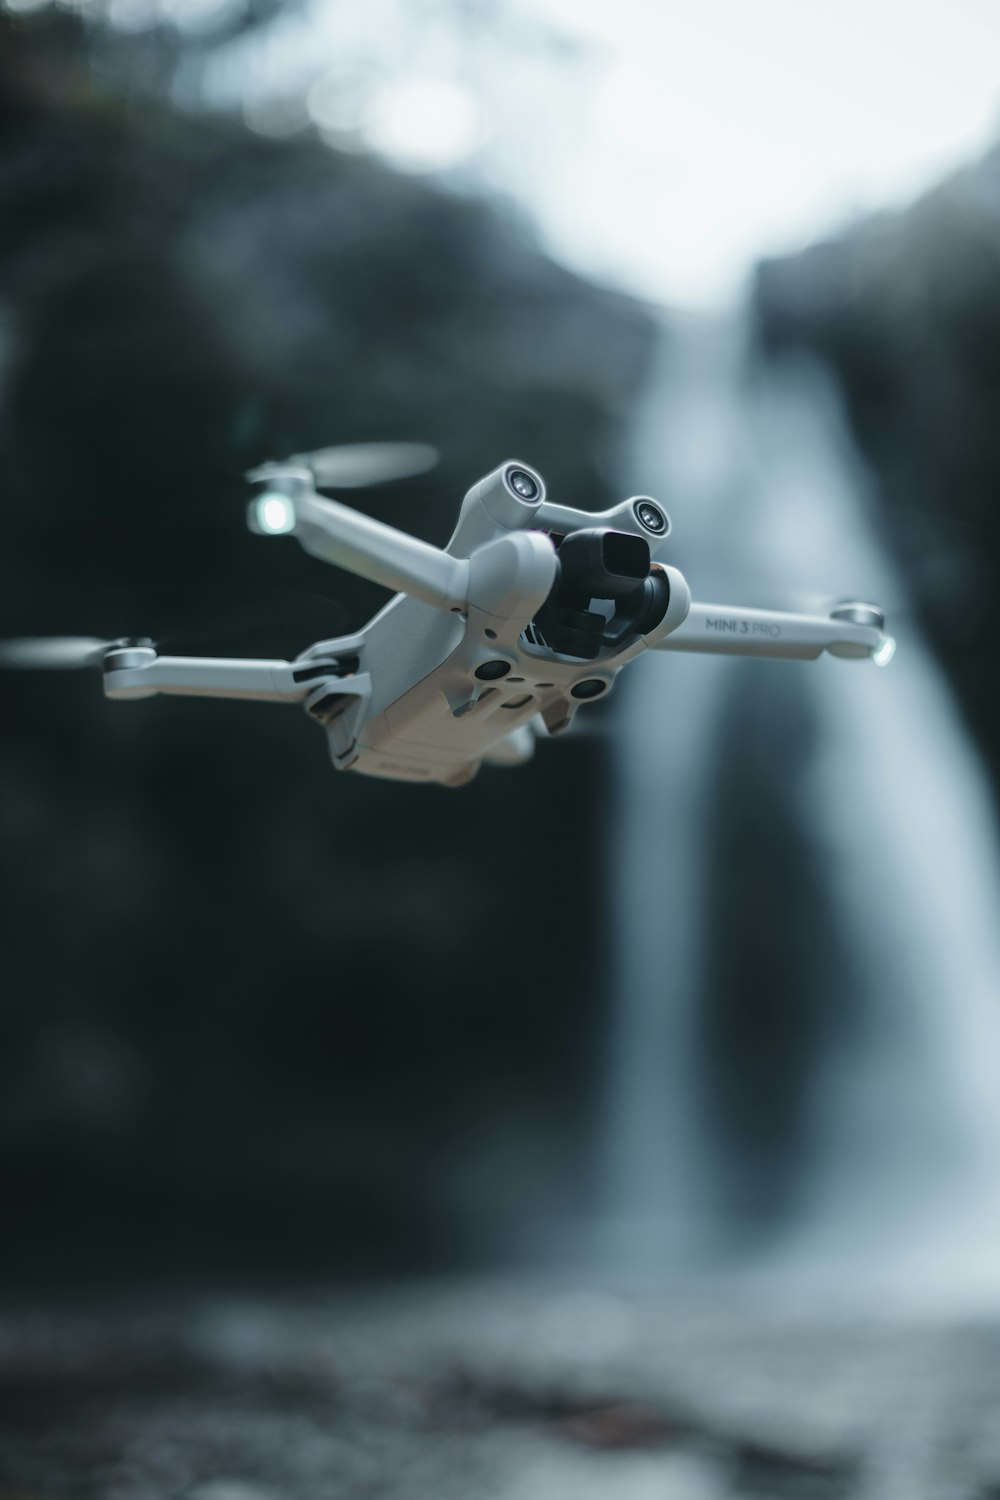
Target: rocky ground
[{"x": 505, "y": 1391}]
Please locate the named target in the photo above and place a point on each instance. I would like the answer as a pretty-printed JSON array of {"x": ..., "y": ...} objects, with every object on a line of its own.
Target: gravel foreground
[{"x": 495, "y": 1390}]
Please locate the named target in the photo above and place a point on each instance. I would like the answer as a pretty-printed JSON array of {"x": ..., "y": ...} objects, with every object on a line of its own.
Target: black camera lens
[
  {"x": 592, "y": 687},
  {"x": 491, "y": 670},
  {"x": 651, "y": 516},
  {"x": 522, "y": 483}
]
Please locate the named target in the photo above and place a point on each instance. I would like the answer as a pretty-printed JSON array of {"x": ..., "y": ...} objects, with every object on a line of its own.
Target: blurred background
[{"x": 624, "y": 1124}]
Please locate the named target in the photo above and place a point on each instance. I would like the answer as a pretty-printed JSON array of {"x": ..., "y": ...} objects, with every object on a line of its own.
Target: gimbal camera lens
[{"x": 523, "y": 484}]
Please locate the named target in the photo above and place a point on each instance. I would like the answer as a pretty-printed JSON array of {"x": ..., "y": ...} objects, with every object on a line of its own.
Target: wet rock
[{"x": 717, "y": 1395}]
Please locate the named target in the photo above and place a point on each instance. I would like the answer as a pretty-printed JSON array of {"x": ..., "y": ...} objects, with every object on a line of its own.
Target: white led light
[
  {"x": 275, "y": 514},
  {"x": 883, "y": 656}
]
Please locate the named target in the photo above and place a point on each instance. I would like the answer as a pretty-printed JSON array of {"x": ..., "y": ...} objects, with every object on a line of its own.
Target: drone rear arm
[{"x": 724, "y": 630}]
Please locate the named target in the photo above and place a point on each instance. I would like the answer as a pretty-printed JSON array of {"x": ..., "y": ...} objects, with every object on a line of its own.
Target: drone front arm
[
  {"x": 369, "y": 548},
  {"x": 723, "y": 630}
]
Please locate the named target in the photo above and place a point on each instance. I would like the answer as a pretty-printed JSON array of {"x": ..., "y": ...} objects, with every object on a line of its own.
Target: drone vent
[
  {"x": 331, "y": 706},
  {"x": 343, "y": 666}
]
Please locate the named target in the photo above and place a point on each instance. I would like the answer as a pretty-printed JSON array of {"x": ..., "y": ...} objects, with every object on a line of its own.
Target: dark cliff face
[
  {"x": 905, "y": 308},
  {"x": 248, "y": 1003}
]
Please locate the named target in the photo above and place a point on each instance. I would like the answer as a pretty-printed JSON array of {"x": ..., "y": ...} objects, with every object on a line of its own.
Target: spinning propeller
[
  {"x": 59, "y": 652},
  {"x": 352, "y": 466}
]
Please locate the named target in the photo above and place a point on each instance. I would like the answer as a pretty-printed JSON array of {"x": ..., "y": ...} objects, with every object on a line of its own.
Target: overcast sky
[{"x": 721, "y": 130}]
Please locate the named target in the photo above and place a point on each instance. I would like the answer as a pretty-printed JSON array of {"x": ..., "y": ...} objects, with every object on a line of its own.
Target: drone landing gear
[{"x": 516, "y": 748}]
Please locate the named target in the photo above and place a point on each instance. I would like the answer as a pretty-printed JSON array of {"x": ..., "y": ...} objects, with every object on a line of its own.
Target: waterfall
[{"x": 893, "y": 1130}]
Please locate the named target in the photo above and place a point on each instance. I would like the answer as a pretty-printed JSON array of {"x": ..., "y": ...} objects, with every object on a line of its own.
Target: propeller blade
[
  {"x": 351, "y": 466},
  {"x": 54, "y": 652}
]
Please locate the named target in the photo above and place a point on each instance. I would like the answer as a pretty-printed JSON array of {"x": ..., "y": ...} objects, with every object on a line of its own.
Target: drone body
[{"x": 530, "y": 611}]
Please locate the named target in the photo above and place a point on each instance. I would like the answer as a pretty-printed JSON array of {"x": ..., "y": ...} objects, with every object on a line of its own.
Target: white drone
[{"x": 531, "y": 610}]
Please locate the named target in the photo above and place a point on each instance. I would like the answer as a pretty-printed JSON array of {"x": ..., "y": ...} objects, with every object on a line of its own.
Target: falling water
[
  {"x": 902, "y": 1140},
  {"x": 654, "y": 1177}
]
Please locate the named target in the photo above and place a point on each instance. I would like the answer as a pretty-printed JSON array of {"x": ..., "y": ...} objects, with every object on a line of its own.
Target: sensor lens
[
  {"x": 650, "y": 516},
  {"x": 522, "y": 483}
]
